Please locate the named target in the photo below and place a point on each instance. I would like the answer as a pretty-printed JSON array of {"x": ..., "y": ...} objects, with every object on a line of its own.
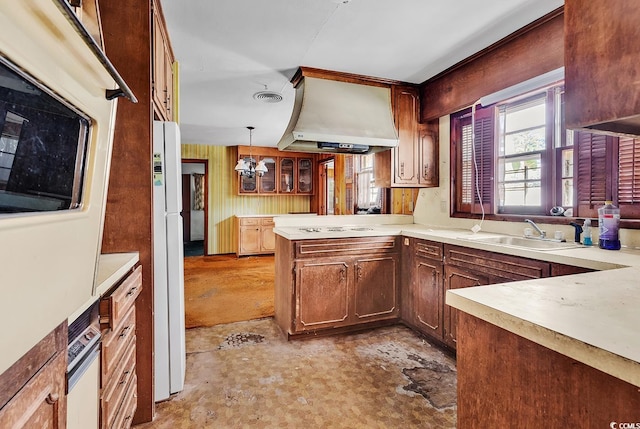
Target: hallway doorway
[{"x": 195, "y": 205}]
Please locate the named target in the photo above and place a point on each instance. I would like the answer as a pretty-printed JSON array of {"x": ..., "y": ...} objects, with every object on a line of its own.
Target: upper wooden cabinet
[
  {"x": 414, "y": 163},
  {"x": 288, "y": 173},
  {"x": 601, "y": 66},
  {"x": 162, "y": 63}
]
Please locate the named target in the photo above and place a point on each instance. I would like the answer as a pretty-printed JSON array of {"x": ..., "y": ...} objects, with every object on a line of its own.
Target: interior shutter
[
  {"x": 484, "y": 150},
  {"x": 595, "y": 153},
  {"x": 629, "y": 177}
]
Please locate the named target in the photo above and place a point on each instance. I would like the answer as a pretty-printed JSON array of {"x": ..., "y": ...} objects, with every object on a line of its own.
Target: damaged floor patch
[
  {"x": 240, "y": 339},
  {"x": 435, "y": 381}
]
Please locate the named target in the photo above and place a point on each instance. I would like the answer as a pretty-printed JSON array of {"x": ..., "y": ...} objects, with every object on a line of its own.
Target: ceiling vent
[{"x": 267, "y": 96}]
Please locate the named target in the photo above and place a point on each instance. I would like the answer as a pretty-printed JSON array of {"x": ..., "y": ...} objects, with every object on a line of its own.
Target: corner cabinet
[
  {"x": 162, "y": 64},
  {"x": 329, "y": 284},
  {"x": 601, "y": 66},
  {"x": 255, "y": 235},
  {"x": 414, "y": 163},
  {"x": 435, "y": 268}
]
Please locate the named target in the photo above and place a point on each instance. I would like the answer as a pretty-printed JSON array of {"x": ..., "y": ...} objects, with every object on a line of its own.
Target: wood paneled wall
[
  {"x": 224, "y": 201},
  {"x": 128, "y": 218},
  {"x": 529, "y": 52}
]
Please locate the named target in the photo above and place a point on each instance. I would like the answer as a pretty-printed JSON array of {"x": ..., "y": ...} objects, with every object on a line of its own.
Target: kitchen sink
[{"x": 528, "y": 243}]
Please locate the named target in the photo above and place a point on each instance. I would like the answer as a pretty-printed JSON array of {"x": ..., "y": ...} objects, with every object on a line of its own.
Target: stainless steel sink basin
[{"x": 528, "y": 243}]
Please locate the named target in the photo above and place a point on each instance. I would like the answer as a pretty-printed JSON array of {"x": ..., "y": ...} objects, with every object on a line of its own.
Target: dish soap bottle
[
  {"x": 608, "y": 224},
  {"x": 586, "y": 240}
]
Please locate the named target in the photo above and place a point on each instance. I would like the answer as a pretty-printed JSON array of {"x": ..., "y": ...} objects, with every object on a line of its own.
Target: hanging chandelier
[{"x": 247, "y": 166}]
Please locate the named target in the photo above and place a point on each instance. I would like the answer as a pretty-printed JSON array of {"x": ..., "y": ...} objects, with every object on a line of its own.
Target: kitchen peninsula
[{"x": 587, "y": 322}]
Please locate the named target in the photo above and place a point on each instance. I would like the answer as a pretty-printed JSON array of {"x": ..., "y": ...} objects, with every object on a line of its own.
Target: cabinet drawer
[
  {"x": 506, "y": 267},
  {"x": 116, "y": 341},
  {"x": 115, "y": 306},
  {"x": 267, "y": 221},
  {"x": 345, "y": 246},
  {"x": 249, "y": 221},
  {"x": 124, "y": 416},
  {"x": 429, "y": 249},
  {"x": 117, "y": 385}
]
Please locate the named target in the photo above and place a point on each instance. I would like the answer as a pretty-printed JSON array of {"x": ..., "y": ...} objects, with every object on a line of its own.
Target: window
[
  {"x": 522, "y": 146},
  {"x": 365, "y": 185},
  {"x": 518, "y": 158}
]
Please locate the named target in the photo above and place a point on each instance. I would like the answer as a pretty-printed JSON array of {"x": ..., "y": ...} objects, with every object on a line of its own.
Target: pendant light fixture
[{"x": 247, "y": 167}]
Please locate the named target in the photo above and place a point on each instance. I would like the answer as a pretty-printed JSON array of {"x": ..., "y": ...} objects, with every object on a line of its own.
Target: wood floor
[{"x": 223, "y": 288}]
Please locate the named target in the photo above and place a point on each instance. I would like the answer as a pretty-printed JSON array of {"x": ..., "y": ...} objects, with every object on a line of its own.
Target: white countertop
[
  {"x": 592, "y": 317},
  {"x": 111, "y": 268}
]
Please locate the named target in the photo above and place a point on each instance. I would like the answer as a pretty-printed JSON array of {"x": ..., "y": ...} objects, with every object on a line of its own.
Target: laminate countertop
[{"x": 592, "y": 317}]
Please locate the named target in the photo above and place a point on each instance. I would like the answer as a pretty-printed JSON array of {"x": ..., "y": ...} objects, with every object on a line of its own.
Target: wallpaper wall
[{"x": 224, "y": 201}]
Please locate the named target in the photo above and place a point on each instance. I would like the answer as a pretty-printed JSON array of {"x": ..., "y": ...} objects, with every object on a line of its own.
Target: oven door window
[{"x": 43, "y": 145}]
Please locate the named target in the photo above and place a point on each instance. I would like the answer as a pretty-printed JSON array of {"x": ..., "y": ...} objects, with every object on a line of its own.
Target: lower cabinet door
[
  {"x": 267, "y": 239},
  {"x": 427, "y": 297},
  {"x": 249, "y": 240},
  {"x": 376, "y": 291},
  {"x": 457, "y": 278},
  {"x": 42, "y": 402},
  {"x": 322, "y": 294}
]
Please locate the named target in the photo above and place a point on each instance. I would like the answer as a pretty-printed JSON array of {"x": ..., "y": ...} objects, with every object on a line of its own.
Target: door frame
[{"x": 205, "y": 163}]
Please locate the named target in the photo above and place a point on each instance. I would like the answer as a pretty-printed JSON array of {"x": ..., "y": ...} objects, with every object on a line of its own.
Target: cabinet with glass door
[
  {"x": 268, "y": 180},
  {"x": 305, "y": 176},
  {"x": 287, "y": 175}
]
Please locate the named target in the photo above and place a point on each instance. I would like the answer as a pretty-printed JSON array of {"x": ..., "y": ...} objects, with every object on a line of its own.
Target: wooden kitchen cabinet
[
  {"x": 466, "y": 267},
  {"x": 162, "y": 66},
  {"x": 414, "y": 162},
  {"x": 118, "y": 323},
  {"x": 291, "y": 174},
  {"x": 601, "y": 66},
  {"x": 427, "y": 296},
  {"x": 376, "y": 287},
  {"x": 322, "y": 291},
  {"x": 506, "y": 380},
  {"x": 33, "y": 389},
  {"x": 255, "y": 235},
  {"x": 457, "y": 278},
  {"x": 344, "y": 283}
]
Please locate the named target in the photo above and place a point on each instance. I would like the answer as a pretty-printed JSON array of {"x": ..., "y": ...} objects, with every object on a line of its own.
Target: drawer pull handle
[
  {"x": 52, "y": 398},
  {"x": 132, "y": 290},
  {"x": 124, "y": 331},
  {"x": 123, "y": 379}
]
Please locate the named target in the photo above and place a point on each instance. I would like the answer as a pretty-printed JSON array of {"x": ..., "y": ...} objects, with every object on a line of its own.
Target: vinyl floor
[{"x": 247, "y": 375}]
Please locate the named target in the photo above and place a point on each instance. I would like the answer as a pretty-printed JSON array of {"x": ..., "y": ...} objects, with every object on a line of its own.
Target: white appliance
[{"x": 168, "y": 262}]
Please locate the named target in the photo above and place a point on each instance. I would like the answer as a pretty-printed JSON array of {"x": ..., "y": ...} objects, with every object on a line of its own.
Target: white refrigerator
[{"x": 168, "y": 262}]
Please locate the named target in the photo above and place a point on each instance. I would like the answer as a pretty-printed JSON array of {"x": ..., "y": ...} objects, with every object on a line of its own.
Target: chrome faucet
[{"x": 536, "y": 227}]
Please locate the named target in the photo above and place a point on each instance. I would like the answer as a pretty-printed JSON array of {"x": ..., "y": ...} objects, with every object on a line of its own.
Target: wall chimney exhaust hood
[{"x": 332, "y": 116}]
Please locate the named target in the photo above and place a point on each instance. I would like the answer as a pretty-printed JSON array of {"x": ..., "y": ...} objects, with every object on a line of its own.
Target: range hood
[{"x": 331, "y": 116}]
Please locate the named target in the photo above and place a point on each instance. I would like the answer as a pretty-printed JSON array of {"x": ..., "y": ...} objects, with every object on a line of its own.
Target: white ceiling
[{"x": 230, "y": 49}]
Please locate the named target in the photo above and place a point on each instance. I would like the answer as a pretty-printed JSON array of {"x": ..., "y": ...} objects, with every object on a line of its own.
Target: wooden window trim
[{"x": 583, "y": 209}]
